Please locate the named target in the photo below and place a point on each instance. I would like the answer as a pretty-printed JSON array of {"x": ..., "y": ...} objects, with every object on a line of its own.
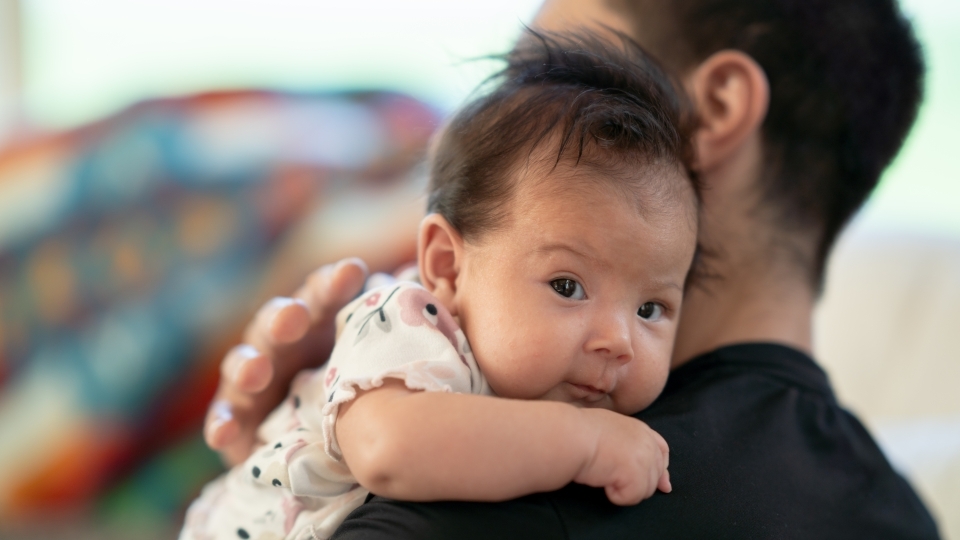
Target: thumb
[{"x": 664, "y": 483}]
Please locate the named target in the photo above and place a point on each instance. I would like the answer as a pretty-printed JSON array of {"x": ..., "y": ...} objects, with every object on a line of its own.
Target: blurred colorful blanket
[{"x": 132, "y": 251}]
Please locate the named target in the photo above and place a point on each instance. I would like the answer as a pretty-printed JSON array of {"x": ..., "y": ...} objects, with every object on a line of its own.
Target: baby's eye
[
  {"x": 651, "y": 311},
  {"x": 568, "y": 288}
]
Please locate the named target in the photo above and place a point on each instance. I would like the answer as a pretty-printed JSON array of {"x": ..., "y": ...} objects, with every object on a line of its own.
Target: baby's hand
[{"x": 629, "y": 459}]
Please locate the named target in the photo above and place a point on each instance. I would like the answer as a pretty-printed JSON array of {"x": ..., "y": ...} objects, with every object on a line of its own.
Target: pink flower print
[
  {"x": 378, "y": 315},
  {"x": 291, "y": 509},
  {"x": 331, "y": 375},
  {"x": 373, "y": 299},
  {"x": 418, "y": 307}
]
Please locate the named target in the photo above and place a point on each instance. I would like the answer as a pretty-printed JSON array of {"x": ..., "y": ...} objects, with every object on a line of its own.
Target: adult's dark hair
[
  {"x": 588, "y": 102},
  {"x": 846, "y": 80}
]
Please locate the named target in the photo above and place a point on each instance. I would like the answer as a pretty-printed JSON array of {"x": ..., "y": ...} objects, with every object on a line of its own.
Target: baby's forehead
[
  {"x": 565, "y": 196},
  {"x": 650, "y": 186},
  {"x": 589, "y": 222}
]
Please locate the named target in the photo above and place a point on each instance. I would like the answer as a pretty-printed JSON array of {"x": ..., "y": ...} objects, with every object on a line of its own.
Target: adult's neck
[
  {"x": 744, "y": 305},
  {"x": 756, "y": 289}
]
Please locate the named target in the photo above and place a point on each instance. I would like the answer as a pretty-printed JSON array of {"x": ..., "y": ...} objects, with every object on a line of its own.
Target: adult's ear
[
  {"x": 732, "y": 94},
  {"x": 439, "y": 255}
]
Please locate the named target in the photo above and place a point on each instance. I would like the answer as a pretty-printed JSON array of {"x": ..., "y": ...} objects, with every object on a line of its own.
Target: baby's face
[{"x": 576, "y": 297}]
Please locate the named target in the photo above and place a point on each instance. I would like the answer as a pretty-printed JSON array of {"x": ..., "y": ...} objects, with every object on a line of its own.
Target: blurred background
[{"x": 166, "y": 166}]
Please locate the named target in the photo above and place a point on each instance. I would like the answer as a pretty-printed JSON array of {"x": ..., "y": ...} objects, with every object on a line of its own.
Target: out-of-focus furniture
[
  {"x": 888, "y": 333},
  {"x": 132, "y": 252}
]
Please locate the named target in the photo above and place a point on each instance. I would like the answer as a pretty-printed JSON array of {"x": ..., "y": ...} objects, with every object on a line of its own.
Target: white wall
[
  {"x": 10, "y": 64},
  {"x": 111, "y": 53}
]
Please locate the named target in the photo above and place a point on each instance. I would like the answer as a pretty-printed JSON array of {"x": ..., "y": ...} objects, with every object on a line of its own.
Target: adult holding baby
[{"x": 802, "y": 104}]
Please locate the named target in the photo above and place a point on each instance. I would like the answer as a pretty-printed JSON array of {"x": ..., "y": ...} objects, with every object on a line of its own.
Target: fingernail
[
  {"x": 221, "y": 411},
  {"x": 241, "y": 355},
  {"x": 352, "y": 261},
  {"x": 283, "y": 328},
  {"x": 222, "y": 433},
  {"x": 279, "y": 302}
]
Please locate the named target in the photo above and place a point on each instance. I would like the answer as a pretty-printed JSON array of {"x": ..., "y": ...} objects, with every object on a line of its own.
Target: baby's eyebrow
[
  {"x": 560, "y": 246},
  {"x": 668, "y": 284}
]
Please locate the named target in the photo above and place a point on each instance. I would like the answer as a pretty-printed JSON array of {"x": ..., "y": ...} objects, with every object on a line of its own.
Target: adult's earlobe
[
  {"x": 732, "y": 94},
  {"x": 439, "y": 254}
]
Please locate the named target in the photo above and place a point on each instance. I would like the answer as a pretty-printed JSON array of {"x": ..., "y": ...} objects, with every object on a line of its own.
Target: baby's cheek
[
  {"x": 644, "y": 383},
  {"x": 516, "y": 351},
  {"x": 520, "y": 370}
]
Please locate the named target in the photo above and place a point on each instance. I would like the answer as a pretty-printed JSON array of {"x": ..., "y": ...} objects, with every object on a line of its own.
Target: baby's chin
[
  {"x": 587, "y": 399},
  {"x": 608, "y": 404},
  {"x": 611, "y": 405}
]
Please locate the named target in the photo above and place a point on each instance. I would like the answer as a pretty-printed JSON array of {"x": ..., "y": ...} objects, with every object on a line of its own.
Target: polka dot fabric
[{"x": 297, "y": 485}]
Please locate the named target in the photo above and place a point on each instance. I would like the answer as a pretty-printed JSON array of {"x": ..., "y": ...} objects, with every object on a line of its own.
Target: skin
[
  {"x": 592, "y": 348},
  {"x": 603, "y": 349},
  {"x": 760, "y": 295}
]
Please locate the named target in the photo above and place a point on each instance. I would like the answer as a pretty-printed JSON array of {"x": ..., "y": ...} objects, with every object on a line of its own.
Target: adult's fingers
[
  {"x": 281, "y": 330},
  {"x": 228, "y": 428},
  {"x": 247, "y": 369},
  {"x": 331, "y": 287},
  {"x": 279, "y": 322},
  {"x": 285, "y": 336},
  {"x": 223, "y": 433}
]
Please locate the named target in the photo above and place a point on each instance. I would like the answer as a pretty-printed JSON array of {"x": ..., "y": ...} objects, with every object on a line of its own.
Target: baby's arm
[{"x": 423, "y": 446}]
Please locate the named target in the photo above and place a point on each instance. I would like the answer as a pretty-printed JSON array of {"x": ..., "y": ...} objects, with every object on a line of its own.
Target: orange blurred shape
[
  {"x": 53, "y": 282},
  {"x": 72, "y": 476},
  {"x": 205, "y": 224}
]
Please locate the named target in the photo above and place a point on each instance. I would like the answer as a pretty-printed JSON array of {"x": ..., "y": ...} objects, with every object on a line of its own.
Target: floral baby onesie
[{"x": 296, "y": 486}]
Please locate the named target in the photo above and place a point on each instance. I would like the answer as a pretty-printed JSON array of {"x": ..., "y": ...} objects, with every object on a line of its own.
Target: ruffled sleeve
[{"x": 402, "y": 332}]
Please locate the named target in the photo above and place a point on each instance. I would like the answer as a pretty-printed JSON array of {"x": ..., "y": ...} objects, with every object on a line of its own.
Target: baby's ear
[{"x": 439, "y": 255}]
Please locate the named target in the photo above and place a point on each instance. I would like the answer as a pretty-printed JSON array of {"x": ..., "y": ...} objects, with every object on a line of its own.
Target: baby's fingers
[
  {"x": 664, "y": 448},
  {"x": 664, "y": 483},
  {"x": 624, "y": 494}
]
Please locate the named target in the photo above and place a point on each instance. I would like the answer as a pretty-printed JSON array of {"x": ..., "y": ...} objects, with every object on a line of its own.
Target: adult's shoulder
[
  {"x": 524, "y": 518},
  {"x": 760, "y": 446}
]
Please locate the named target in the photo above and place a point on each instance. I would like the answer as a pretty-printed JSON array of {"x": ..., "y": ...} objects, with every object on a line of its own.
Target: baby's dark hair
[{"x": 602, "y": 105}]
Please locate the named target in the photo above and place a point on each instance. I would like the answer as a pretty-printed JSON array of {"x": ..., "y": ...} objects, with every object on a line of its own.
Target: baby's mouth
[{"x": 587, "y": 393}]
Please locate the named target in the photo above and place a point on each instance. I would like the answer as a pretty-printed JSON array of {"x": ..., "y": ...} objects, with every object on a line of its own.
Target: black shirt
[{"x": 759, "y": 448}]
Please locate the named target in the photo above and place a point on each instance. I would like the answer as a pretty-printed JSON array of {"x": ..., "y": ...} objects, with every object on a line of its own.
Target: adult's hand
[{"x": 286, "y": 336}]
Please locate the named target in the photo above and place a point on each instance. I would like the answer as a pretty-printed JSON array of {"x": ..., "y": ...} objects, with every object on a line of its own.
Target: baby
[{"x": 552, "y": 264}]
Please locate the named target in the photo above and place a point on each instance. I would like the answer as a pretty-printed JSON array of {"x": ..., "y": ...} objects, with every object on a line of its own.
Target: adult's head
[
  {"x": 802, "y": 104},
  {"x": 844, "y": 83}
]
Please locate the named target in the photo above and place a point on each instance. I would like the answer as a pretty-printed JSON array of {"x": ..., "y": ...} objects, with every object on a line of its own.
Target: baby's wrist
[{"x": 589, "y": 433}]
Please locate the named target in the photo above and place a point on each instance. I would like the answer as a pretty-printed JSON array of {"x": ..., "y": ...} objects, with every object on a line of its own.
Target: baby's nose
[{"x": 613, "y": 341}]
